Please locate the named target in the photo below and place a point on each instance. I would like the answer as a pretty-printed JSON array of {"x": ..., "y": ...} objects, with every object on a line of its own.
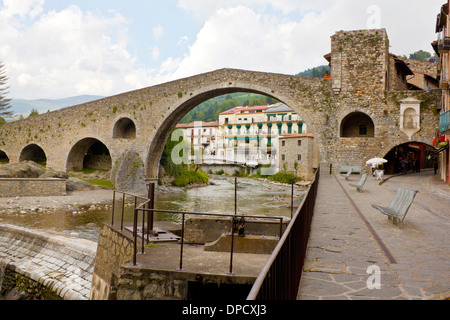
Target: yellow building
[{"x": 250, "y": 135}]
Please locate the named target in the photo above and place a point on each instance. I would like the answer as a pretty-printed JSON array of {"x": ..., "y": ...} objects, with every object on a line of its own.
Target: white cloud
[
  {"x": 156, "y": 53},
  {"x": 183, "y": 40},
  {"x": 67, "y": 53},
  {"x": 158, "y": 32},
  {"x": 250, "y": 38},
  {"x": 241, "y": 38},
  {"x": 23, "y": 7}
]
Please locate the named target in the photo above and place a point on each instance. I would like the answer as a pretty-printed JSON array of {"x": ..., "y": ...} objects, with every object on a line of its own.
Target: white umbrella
[{"x": 376, "y": 161}]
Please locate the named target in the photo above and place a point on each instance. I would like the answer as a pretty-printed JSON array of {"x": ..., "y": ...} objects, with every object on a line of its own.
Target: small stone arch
[
  {"x": 89, "y": 153},
  {"x": 125, "y": 128},
  {"x": 3, "y": 157},
  {"x": 357, "y": 125},
  {"x": 35, "y": 153}
]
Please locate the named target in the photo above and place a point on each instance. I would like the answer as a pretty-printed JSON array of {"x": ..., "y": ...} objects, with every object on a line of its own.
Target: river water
[{"x": 254, "y": 197}]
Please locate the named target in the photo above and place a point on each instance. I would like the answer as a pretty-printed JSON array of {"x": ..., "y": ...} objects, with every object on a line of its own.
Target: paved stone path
[{"x": 342, "y": 246}]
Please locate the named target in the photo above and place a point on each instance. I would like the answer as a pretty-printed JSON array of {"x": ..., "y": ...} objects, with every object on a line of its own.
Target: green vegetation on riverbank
[
  {"x": 180, "y": 175},
  {"x": 282, "y": 177},
  {"x": 187, "y": 177}
]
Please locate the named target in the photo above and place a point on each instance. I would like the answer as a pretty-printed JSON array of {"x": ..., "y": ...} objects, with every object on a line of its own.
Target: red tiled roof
[
  {"x": 203, "y": 124},
  {"x": 243, "y": 109}
]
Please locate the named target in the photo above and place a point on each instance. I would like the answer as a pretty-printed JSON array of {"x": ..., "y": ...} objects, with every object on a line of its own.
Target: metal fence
[
  {"x": 184, "y": 214},
  {"x": 280, "y": 277},
  {"x": 144, "y": 215}
]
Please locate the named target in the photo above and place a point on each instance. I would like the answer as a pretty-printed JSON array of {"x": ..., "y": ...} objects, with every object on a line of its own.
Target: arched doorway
[
  {"x": 35, "y": 153},
  {"x": 357, "y": 124},
  {"x": 89, "y": 153},
  {"x": 413, "y": 155}
]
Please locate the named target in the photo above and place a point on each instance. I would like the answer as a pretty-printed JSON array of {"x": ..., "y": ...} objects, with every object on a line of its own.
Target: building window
[
  {"x": 299, "y": 157},
  {"x": 283, "y": 157},
  {"x": 283, "y": 143},
  {"x": 299, "y": 143},
  {"x": 363, "y": 130}
]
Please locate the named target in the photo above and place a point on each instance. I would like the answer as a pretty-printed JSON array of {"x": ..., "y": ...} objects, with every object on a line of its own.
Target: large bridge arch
[
  {"x": 33, "y": 152},
  {"x": 180, "y": 109},
  {"x": 81, "y": 155}
]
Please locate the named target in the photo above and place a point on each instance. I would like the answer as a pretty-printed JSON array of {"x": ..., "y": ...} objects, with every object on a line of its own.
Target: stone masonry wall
[
  {"x": 32, "y": 187},
  {"x": 44, "y": 264},
  {"x": 307, "y": 150},
  {"x": 207, "y": 229},
  {"x": 114, "y": 250}
]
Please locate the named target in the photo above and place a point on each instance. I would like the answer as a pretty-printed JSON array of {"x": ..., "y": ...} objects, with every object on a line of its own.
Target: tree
[
  {"x": 5, "y": 107},
  {"x": 420, "y": 55},
  {"x": 33, "y": 113}
]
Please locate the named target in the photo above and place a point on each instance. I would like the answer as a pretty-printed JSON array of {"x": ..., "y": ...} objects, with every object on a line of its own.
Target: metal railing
[
  {"x": 145, "y": 235},
  {"x": 280, "y": 277},
  {"x": 147, "y": 206},
  {"x": 124, "y": 197},
  {"x": 444, "y": 121}
]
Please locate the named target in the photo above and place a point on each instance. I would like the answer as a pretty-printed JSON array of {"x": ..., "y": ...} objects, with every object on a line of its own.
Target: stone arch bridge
[{"x": 133, "y": 127}]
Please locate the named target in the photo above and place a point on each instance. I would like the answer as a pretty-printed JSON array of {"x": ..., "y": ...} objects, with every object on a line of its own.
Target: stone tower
[{"x": 360, "y": 61}]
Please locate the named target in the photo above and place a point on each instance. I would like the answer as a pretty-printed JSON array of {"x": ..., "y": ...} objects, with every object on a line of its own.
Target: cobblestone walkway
[{"x": 347, "y": 239}]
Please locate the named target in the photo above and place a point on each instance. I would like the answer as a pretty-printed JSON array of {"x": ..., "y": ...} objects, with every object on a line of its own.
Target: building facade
[
  {"x": 299, "y": 155},
  {"x": 200, "y": 137},
  {"x": 442, "y": 48},
  {"x": 250, "y": 135}
]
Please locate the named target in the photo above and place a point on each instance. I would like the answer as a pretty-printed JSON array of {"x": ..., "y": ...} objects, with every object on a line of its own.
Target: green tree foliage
[
  {"x": 181, "y": 174},
  {"x": 166, "y": 159},
  {"x": 33, "y": 113},
  {"x": 317, "y": 72},
  {"x": 421, "y": 56},
  {"x": 5, "y": 107}
]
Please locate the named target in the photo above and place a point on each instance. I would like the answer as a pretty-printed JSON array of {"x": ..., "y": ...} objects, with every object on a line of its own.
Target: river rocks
[
  {"x": 25, "y": 169},
  {"x": 30, "y": 169},
  {"x": 75, "y": 184}
]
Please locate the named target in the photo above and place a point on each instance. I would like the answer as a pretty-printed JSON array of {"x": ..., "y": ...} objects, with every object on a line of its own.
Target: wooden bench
[
  {"x": 361, "y": 183},
  {"x": 399, "y": 206}
]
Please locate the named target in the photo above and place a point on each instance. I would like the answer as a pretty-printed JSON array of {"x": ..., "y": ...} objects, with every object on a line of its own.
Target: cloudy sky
[{"x": 60, "y": 48}]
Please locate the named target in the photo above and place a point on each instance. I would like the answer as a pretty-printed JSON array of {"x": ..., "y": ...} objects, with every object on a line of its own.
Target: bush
[
  {"x": 190, "y": 177},
  {"x": 283, "y": 177},
  {"x": 220, "y": 172}
]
